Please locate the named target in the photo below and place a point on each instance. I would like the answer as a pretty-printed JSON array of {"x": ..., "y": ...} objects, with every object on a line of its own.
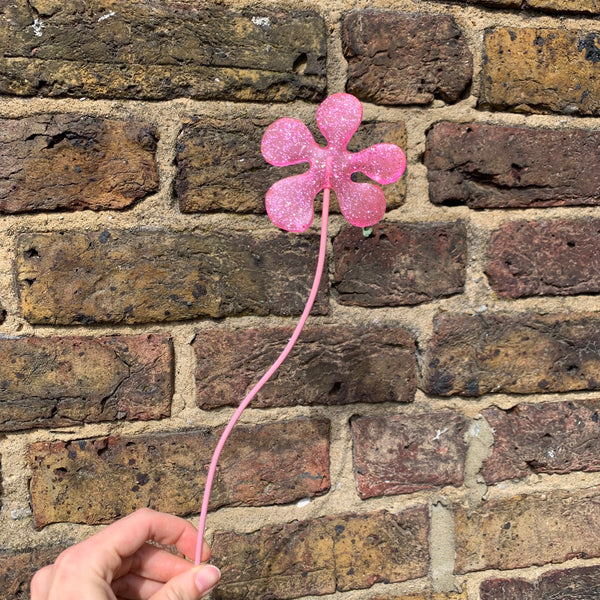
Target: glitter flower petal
[
  {"x": 288, "y": 141},
  {"x": 289, "y": 202}
]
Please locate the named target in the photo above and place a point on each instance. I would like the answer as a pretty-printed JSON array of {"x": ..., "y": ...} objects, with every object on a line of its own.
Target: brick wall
[{"x": 435, "y": 434}]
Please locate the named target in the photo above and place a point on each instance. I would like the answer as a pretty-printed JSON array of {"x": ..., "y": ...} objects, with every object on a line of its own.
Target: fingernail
[{"x": 207, "y": 577}]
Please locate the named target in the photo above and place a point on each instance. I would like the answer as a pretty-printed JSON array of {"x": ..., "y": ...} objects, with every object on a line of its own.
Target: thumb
[{"x": 190, "y": 585}]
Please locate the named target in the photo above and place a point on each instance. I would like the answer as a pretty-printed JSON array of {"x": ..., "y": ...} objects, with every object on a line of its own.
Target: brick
[
  {"x": 489, "y": 166},
  {"x": 57, "y": 382},
  {"x": 400, "y": 264},
  {"x": 426, "y": 595},
  {"x": 472, "y": 355},
  {"x": 558, "y": 437},
  {"x": 17, "y": 568},
  {"x": 567, "y": 584},
  {"x": 404, "y": 58},
  {"x": 328, "y": 365},
  {"x": 144, "y": 275},
  {"x": 157, "y": 50},
  {"x": 72, "y": 162},
  {"x": 544, "y": 258},
  {"x": 262, "y": 465},
  {"x": 220, "y": 168},
  {"x": 527, "y": 530},
  {"x": 401, "y": 454},
  {"x": 323, "y": 555},
  {"x": 541, "y": 70}
]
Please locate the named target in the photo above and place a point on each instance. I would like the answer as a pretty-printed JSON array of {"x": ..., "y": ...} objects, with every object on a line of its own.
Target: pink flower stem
[{"x": 309, "y": 303}]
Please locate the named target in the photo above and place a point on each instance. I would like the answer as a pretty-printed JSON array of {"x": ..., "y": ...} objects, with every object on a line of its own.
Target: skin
[{"x": 118, "y": 563}]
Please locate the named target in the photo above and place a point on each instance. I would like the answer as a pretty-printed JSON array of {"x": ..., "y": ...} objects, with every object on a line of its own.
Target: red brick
[
  {"x": 401, "y": 454},
  {"x": 558, "y": 437},
  {"x": 143, "y": 275},
  {"x": 159, "y": 49},
  {"x": 400, "y": 264},
  {"x": 527, "y": 530},
  {"x": 491, "y": 166},
  {"x": 328, "y": 365},
  {"x": 57, "y": 382},
  {"x": 568, "y": 584},
  {"x": 71, "y": 162},
  {"x": 220, "y": 168},
  {"x": 528, "y": 353},
  {"x": 322, "y": 556},
  {"x": 540, "y": 70},
  {"x": 541, "y": 258},
  {"x": 262, "y": 465},
  {"x": 405, "y": 58}
]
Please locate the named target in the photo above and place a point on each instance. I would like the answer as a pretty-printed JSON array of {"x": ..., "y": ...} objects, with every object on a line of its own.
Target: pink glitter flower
[{"x": 287, "y": 141}]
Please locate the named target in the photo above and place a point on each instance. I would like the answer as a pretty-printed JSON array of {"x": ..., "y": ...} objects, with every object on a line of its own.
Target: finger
[
  {"x": 134, "y": 587},
  {"x": 191, "y": 585},
  {"x": 153, "y": 563},
  {"x": 126, "y": 536},
  {"x": 40, "y": 584}
]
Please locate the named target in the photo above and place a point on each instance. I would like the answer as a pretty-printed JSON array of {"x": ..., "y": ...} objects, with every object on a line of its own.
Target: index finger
[{"x": 126, "y": 536}]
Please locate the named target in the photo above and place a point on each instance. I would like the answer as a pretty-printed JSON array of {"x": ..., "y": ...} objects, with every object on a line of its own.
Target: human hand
[{"x": 118, "y": 564}]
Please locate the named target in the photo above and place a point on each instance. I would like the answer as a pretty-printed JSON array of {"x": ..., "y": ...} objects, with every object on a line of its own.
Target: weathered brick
[
  {"x": 472, "y": 355},
  {"x": 261, "y": 465},
  {"x": 17, "y": 569},
  {"x": 56, "y": 382},
  {"x": 329, "y": 365},
  {"x": 400, "y": 264},
  {"x": 569, "y": 584},
  {"x": 137, "y": 276},
  {"x": 528, "y": 530},
  {"x": 426, "y": 595},
  {"x": 489, "y": 166},
  {"x": 160, "y": 49},
  {"x": 401, "y": 454},
  {"x": 405, "y": 58},
  {"x": 555, "y": 437},
  {"x": 324, "y": 555},
  {"x": 545, "y": 258},
  {"x": 70, "y": 162},
  {"x": 541, "y": 70},
  {"x": 219, "y": 165}
]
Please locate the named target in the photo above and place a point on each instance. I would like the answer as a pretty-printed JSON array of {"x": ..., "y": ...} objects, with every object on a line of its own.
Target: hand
[{"x": 118, "y": 563}]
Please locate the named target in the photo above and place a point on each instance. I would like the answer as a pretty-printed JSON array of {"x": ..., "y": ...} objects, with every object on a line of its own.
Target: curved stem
[{"x": 309, "y": 303}]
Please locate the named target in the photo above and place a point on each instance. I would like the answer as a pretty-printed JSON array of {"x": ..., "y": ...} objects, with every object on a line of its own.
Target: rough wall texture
[{"x": 435, "y": 435}]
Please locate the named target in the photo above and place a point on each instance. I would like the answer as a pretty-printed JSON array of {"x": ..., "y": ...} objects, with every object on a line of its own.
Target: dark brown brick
[
  {"x": 57, "y": 382},
  {"x": 219, "y": 165},
  {"x": 472, "y": 355},
  {"x": 328, "y": 365},
  {"x": 18, "y": 567},
  {"x": 405, "y": 58},
  {"x": 541, "y": 70},
  {"x": 160, "y": 49},
  {"x": 322, "y": 556},
  {"x": 71, "y": 162},
  {"x": 570, "y": 584},
  {"x": 545, "y": 258},
  {"x": 400, "y": 264},
  {"x": 262, "y": 465},
  {"x": 401, "y": 454},
  {"x": 489, "y": 166},
  {"x": 138, "y": 276},
  {"x": 522, "y": 531},
  {"x": 543, "y": 438}
]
